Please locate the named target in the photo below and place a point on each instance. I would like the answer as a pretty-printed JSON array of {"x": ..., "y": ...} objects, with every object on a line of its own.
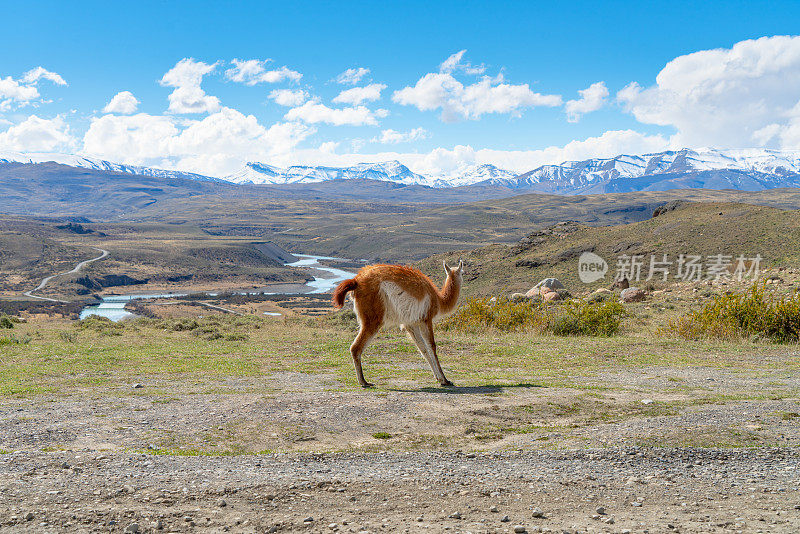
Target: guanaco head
[{"x": 454, "y": 273}]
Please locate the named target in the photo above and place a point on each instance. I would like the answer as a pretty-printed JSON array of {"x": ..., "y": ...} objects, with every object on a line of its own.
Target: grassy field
[{"x": 512, "y": 388}]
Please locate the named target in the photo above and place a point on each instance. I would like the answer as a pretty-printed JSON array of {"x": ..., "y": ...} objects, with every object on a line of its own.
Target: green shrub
[
  {"x": 101, "y": 325},
  {"x": 14, "y": 340},
  {"x": 6, "y": 322},
  {"x": 748, "y": 314},
  {"x": 572, "y": 318},
  {"x": 583, "y": 318}
]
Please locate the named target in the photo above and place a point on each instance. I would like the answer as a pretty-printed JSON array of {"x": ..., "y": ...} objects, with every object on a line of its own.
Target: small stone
[
  {"x": 158, "y": 525},
  {"x": 647, "y": 401},
  {"x": 595, "y": 516},
  {"x": 608, "y": 520},
  {"x": 636, "y": 504},
  {"x": 537, "y": 513},
  {"x": 133, "y": 528},
  {"x": 505, "y": 519},
  {"x": 494, "y": 509},
  {"x": 455, "y": 515},
  {"x": 519, "y": 529},
  {"x": 308, "y": 519},
  {"x": 273, "y": 529},
  {"x": 600, "y": 510},
  {"x": 127, "y": 488},
  {"x": 626, "y": 531},
  {"x": 333, "y": 526},
  {"x": 65, "y": 465},
  {"x": 137, "y": 386},
  {"x": 29, "y": 516},
  {"x": 222, "y": 503},
  {"x": 187, "y": 518}
]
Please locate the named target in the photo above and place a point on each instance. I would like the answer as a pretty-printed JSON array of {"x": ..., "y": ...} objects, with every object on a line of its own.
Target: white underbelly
[{"x": 402, "y": 307}]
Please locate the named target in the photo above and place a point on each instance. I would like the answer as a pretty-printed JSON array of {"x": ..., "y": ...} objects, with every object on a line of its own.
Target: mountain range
[{"x": 742, "y": 169}]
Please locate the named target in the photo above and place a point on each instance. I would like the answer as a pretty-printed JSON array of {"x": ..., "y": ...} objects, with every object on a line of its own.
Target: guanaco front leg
[{"x": 422, "y": 335}]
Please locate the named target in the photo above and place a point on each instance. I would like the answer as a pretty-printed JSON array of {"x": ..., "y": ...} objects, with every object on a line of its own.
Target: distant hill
[{"x": 692, "y": 228}]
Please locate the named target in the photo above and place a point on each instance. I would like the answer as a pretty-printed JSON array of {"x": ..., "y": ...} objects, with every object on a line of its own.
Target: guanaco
[{"x": 390, "y": 295}]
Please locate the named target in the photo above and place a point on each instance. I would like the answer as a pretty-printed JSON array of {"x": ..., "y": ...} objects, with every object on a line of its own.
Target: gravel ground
[
  {"x": 608, "y": 490},
  {"x": 416, "y": 458}
]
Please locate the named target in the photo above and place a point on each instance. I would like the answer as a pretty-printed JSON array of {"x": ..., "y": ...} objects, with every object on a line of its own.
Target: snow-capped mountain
[
  {"x": 85, "y": 162},
  {"x": 389, "y": 171},
  {"x": 485, "y": 174},
  {"x": 745, "y": 169}
]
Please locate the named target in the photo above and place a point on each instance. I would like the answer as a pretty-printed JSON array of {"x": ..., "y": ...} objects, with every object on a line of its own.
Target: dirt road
[{"x": 76, "y": 269}]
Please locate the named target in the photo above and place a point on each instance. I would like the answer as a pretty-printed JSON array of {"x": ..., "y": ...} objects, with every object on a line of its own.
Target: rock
[
  {"x": 519, "y": 529},
  {"x": 537, "y": 513},
  {"x": 308, "y": 519},
  {"x": 600, "y": 510},
  {"x": 505, "y": 519},
  {"x": 455, "y": 515},
  {"x": 133, "y": 528},
  {"x": 137, "y": 386},
  {"x": 158, "y": 525},
  {"x": 647, "y": 401},
  {"x": 518, "y": 296},
  {"x": 494, "y": 509},
  {"x": 550, "y": 283},
  {"x": 222, "y": 503},
  {"x": 551, "y": 296},
  {"x": 632, "y": 294},
  {"x": 29, "y": 516}
]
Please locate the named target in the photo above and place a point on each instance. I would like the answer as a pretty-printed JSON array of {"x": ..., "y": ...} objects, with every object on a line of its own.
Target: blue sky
[{"x": 504, "y": 102}]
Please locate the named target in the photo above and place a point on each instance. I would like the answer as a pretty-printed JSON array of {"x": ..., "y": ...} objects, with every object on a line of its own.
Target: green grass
[{"x": 145, "y": 351}]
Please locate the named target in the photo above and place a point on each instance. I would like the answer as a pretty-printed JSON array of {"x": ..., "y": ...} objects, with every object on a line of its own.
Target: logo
[{"x": 591, "y": 267}]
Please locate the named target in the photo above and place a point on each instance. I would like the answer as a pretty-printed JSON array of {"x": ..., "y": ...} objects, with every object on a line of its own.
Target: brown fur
[{"x": 371, "y": 308}]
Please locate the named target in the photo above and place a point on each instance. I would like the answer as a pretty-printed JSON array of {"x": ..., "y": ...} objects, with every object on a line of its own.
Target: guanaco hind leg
[{"x": 360, "y": 343}]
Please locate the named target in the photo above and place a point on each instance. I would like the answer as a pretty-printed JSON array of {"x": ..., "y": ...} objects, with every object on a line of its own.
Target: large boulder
[
  {"x": 548, "y": 283},
  {"x": 551, "y": 296},
  {"x": 632, "y": 294}
]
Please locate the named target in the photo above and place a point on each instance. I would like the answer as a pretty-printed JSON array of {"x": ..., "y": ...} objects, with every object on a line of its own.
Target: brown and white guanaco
[{"x": 390, "y": 295}]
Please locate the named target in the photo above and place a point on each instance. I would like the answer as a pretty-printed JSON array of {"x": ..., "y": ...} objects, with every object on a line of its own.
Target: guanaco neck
[{"x": 448, "y": 296}]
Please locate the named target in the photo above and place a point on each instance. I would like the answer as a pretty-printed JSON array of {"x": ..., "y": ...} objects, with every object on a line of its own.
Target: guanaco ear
[
  {"x": 446, "y": 268},
  {"x": 460, "y": 266}
]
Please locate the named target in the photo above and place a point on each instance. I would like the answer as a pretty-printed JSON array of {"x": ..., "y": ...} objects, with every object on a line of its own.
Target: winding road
[{"x": 77, "y": 268}]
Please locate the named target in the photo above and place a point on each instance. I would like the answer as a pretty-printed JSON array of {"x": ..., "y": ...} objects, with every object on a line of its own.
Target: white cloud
[
  {"x": 316, "y": 112},
  {"x": 352, "y": 76},
  {"x": 734, "y": 97},
  {"x": 489, "y": 95},
  {"x": 11, "y": 90},
  {"x": 188, "y": 97},
  {"x": 34, "y": 75},
  {"x": 35, "y": 134},
  {"x": 217, "y": 145},
  {"x": 357, "y": 95},
  {"x": 592, "y": 98},
  {"x": 254, "y": 71},
  {"x": 23, "y": 91},
  {"x": 454, "y": 63},
  {"x": 288, "y": 97},
  {"x": 123, "y": 102},
  {"x": 389, "y": 137}
]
